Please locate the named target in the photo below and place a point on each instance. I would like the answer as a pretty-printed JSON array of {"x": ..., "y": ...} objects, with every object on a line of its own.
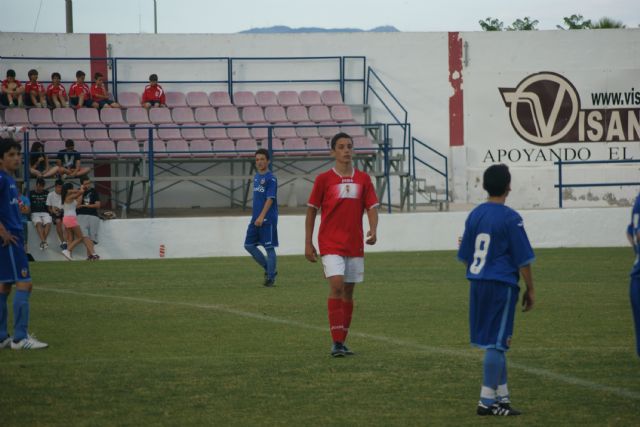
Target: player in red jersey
[
  {"x": 153, "y": 95},
  {"x": 11, "y": 90},
  {"x": 99, "y": 93},
  {"x": 56, "y": 93},
  {"x": 80, "y": 94},
  {"x": 35, "y": 95},
  {"x": 342, "y": 194}
]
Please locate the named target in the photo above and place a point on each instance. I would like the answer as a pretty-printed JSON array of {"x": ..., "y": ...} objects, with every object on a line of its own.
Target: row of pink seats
[
  {"x": 180, "y": 115},
  {"x": 285, "y": 98},
  {"x": 204, "y": 148}
]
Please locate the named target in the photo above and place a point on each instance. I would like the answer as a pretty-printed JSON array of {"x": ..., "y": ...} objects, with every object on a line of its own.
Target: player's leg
[
  {"x": 634, "y": 292},
  {"x": 334, "y": 269},
  {"x": 5, "y": 339},
  {"x": 251, "y": 242},
  {"x": 268, "y": 237}
]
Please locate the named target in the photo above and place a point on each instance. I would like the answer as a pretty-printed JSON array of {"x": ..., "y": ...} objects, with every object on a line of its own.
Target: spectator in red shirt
[
  {"x": 11, "y": 90},
  {"x": 56, "y": 93},
  {"x": 99, "y": 93},
  {"x": 153, "y": 95},
  {"x": 80, "y": 94},
  {"x": 35, "y": 95}
]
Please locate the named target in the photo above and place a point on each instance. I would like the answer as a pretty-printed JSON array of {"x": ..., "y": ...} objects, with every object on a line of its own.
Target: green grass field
[{"x": 201, "y": 342}]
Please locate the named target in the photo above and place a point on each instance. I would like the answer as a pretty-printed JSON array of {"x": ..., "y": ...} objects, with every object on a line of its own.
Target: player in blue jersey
[
  {"x": 263, "y": 228},
  {"x": 14, "y": 267},
  {"x": 496, "y": 251},
  {"x": 633, "y": 234}
]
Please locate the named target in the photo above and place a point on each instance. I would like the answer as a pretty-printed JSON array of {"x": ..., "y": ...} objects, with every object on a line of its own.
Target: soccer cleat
[
  {"x": 6, "y": 343},
  {"x": 337, "y": 350},
  {"x": 507, "y": 406},
  {"x": 346, "y": 350},
  {"x": 67, "y": 254},
  {"x": 269, "y": 283},
  {"x": 497, "y": 409},
  {"x": 28, "y": 343}
]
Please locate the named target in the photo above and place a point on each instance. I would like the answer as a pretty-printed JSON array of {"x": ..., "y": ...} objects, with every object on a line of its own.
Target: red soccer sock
[
  {"x": 347, "y": 311},
  {"x": 334, "y": 307}
]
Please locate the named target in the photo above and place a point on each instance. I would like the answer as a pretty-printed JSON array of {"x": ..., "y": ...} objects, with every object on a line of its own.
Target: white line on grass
[{"x": 618, "y": 391}]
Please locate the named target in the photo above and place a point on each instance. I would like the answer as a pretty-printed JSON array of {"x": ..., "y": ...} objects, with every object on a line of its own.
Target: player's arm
[
  {"x": 372, "y": 216},
  {"x": 309, "y": 250},
  {"x": 6, "y": 237},
  {"x": 528, "y": 299},
  {"x": 265, "y": 209}
]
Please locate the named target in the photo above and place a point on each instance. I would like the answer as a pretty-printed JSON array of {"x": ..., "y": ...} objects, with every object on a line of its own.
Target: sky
[{"x": 232, "y": 16}]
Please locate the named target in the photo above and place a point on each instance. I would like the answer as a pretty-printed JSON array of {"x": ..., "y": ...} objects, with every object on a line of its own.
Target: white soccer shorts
[
  {"x": 41, "y": 218},
  {"x": 352, "y": 268}
]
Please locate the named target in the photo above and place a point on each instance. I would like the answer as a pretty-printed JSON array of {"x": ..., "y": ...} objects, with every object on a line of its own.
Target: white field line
[{"x": 544, "y": 373}]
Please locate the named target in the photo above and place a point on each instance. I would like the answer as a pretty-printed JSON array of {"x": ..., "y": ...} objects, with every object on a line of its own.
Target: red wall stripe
[{"x": 456, "y": 117}]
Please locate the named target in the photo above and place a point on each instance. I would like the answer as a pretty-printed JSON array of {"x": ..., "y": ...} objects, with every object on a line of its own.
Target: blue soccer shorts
[
  {"x": 266, "y": 235},
  {"x": 14, "y": 265},
  {"x": 492, "y": 307}
]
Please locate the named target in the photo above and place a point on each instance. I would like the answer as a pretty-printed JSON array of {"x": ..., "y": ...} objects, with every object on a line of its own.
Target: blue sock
[
  {"x": 271, "y": 263},
  {"x": 3, "y": 317},
  {"x": 20, "y": 314},
  {"x": 492, "y": 368},
  {"x": 503, "y": 390},
  {"x": 257, "y": 255}
]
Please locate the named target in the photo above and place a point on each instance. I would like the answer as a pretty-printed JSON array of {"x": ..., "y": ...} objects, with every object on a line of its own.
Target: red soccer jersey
[
  {"x": 5, "y": 83},
  {"x": 98, "y": 93},
  {"x": 35, "y": 87},
  {"x": 342, "y": 202},
  {"x": 153, "y": 93},
  {"x": 78, "y": 89},
  {"x": 56, "y": 90}
]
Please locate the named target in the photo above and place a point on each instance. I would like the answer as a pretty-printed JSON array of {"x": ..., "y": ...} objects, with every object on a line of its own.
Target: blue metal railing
[
  {"x": 444, "y": 172},
  {"x": 560, "y": 185}
]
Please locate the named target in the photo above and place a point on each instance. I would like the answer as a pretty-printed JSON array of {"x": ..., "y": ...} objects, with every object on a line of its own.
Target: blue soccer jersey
[
  {"x": 265, "y": 186},
  {"x": 10, "y": 215},
  {"x": 495, "y": 245},
  {"x": 633, "y": 229}
]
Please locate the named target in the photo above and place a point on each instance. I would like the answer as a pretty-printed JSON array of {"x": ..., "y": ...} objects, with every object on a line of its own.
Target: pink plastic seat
[
  {"x": 128, "y": 148},
  {"x": 310, "y": 97},
  {"x": 352, "y": 130},
  {"x": 205, "y": 115},
  {"x": 48, "y": 134},
  {"x": 53, "y": 147},
  {"x": 266, "y": 98},
  {"x": 224, "y": 148},
  {"x": 71, "y": 131},
  {"x": 141, "y": 132},
  {"x": 364, "y": 145},
  {"x": 229, "y": 115},
  {"x": 63, "y": 116},
  {"x": 83, "y": 147},
  {"x": 111, "y": 116},
  {"x": 40, "y": 116},
  {"x": 88, "y": 116},
  {"x": 159, "y": 149},
  {"x": 253, "y": 115},
  {"x": 16, "y": 116},
  {"x": 239, "y": 132},
  {"x": 160, "y": 115},
  {"x": 201, "y": 148},
  {"x": 246, "y": 147},
  {"x": 192, "y": 133},
  {"x": 276, "y": 144},
  {"x": 137, "y": 116},
  {"x": 297, "y": 113},
  {"x": 260, "y": 132},
  {"x": 182, "y": 115},
  {"x": 287, "y": 98},
  {"x": 275, "y": 114},
  {"x": 244, "y": 98},
  {"x": 178, "y": 148},
  {"x": 319, "y": 113},
  {"x": 215, "y": 133},
  {"x": 295, "y": 147},
  {"x": 175, "y": 99},
  {"x": 219, "y": 99},
  {"x": 120, "y": 134},
  {"x": 318, "y": 146},
  {"x": 331, "y": 97},
  {"x": 285, "y": 132},
  {"x": 104, "y": 149},
  {"x": 129, "y": 99},
  {"x": 307, "y": 132},
  {"x": 328, "y": 129},
  {"x": 197, "y": 99},
  {"x": 167, "y": 132},
  {"x": 341, "y": 113},
  {"x": 95, "y": 132}
]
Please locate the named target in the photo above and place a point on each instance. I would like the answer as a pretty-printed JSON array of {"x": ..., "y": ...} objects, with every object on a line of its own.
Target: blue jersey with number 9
[{"x": 495, "y": 244}]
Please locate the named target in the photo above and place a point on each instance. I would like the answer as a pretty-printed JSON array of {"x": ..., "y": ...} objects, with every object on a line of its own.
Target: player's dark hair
[
  {"x": 263, "y": 151},
  {"x": 11, "y": 73},
  {"x": 338, "y": 136},
  {"x": 32, "y": 72},
  {"x": 153, "y": 78},
  {"x": 496, "y": 180},
  {"x": 96, "y": 75},
  {"x": 80, "y": 73},
  {"x": 69, "y": 143},
  {"x": 84, "y": 178},
  {"x": 65, "y": 189},
  {"x": 59, "y": 182},
  {"x": 56, "y": 74},
  {"x": 6, "y": 144}
]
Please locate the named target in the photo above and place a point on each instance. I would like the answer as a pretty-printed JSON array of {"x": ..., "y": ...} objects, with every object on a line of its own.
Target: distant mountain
[{"x": 284, "y": 29}]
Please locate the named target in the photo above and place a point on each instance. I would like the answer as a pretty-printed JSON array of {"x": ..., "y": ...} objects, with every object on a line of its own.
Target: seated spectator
[
  {"x": 99, "y": 93},
  {"x": 68, "y": 161},
  {"x": 80, "y": 94},
  {"x": 56, "y": 93},
  {"x": 34, "y": 93},
  {"x": 70, "y": 199},
  {"x": 11, "y": 90},
  {"x": 39, "y": 163},
  {"x": 40, "y": 216},
  {"x": 88, "y": 218},
  {"x": 153, "y": 95},
  {"x": 54, "y": 203}
]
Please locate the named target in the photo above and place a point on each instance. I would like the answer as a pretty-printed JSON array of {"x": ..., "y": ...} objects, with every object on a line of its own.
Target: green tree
[
  {"x": 576, "y": 22},
  {"x": 491, "y": 24},
  {"x": 606, "y": 22},
  {"x": 525, "y": 24}
]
